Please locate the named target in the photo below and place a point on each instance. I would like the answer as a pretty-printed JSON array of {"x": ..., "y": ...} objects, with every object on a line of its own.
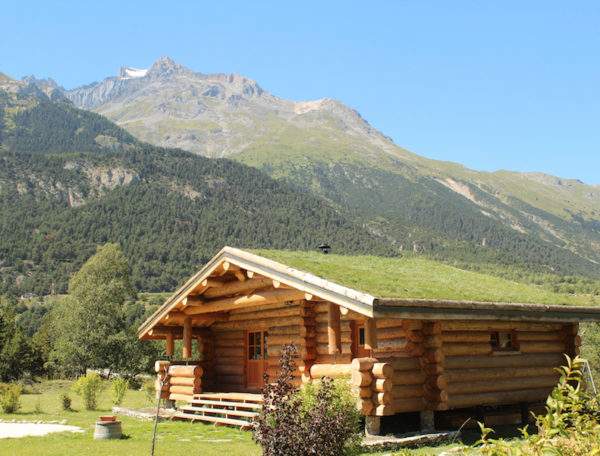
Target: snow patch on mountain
[{"x": 132, "y": 73}]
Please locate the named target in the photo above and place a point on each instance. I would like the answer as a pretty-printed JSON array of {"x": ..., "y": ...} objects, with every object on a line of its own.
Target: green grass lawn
[{"x": 174, "y": 438}]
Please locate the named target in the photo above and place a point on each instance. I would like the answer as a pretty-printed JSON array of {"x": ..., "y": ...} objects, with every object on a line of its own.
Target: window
[
  {"x": 358, "y": 341},
  {"x": 504, "y": 341},
  {"x": 257, "y": 345}
]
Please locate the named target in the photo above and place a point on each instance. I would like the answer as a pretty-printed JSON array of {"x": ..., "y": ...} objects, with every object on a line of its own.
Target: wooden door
[{"x": 256, "y": 359}]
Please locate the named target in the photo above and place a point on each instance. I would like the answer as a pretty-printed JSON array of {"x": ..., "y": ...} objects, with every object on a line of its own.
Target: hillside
[
  {"x": 71, "y": 179},
  {"x": 445, "y": 210}
]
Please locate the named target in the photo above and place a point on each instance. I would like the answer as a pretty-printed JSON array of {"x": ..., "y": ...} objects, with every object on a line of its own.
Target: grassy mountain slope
[
  {"x": 443, "y": 209},
  {"x": 419, "y": 213},
  {"x": 70, "y": 179}
]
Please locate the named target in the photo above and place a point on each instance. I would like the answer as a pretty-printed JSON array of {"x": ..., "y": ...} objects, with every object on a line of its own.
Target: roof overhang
[
  {"x": 351, "y": 299},
  {"x": 418, "y": 309}
]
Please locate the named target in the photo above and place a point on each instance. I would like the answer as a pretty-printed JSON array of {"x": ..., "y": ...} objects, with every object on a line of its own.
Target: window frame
[
  {"x": 358, "y": 350},
  {"x": 259, "y": 340},
  {"x": 496, "y": 342}
]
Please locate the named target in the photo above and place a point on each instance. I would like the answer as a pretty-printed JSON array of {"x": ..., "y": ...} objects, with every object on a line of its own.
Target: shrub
[
  {"x": 10, "y": 397},
  {"x": 277, "y": 429},
  {"x": 135, "y": 382},
  {"x": 119, "y": 387},
  {"x": 88, "y": 387},
  {"x": 65, "y": 400},
  {"x": 318, "y": 420},
  {"x": 331, "y": 419}
]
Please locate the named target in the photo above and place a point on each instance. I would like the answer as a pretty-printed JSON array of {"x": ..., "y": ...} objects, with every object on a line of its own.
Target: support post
[
  {"x": 333, "y": 329},
  {"x": 309, "y": 337},
  {"x": 525, "y": 416},
  {"x": 370, "y": 334},
  {"x": 199, "y": 347},
  {"x": 427, "y": 418},
  {"x": 372, "y": 425},
  {"x": 187, "y": 338},
  {"x": 169, "y": 344}
]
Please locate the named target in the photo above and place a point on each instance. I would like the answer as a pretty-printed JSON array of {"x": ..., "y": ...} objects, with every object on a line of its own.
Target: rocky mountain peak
[
  {"x": 164, "y": 67},
  {"x": 48, "y": 82},
  {"x": 38, "y": 87}
]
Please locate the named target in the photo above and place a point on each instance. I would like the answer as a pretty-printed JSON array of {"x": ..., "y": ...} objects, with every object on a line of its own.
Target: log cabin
[{"x": 404, "y": 356}]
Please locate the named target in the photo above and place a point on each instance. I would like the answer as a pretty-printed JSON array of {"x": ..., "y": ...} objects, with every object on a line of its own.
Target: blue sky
[{"x": 493, "y": 85}]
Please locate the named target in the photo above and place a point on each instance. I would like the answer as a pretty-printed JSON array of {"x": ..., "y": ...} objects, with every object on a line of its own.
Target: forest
[{"x": 168, "y": 209}]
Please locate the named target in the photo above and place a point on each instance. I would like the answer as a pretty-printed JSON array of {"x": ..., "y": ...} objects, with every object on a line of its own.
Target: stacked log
[
  {"x": 432, "y": 361},
  {"x": 309, "y": 338},
  {"x": 477, "y": 376},
  {"x": 318, "y": 371},
  {"x": 400, "y": 344},
  {"x": 162, "y": 390},
  {"x": 397, "y": 337},
  {"x": 362, "y": 380},
  {"x": 300, "y": 334},
  {"x": 184, "y": 382},
  {"x": 382, "y": 387},
  {"x": 321, "y": 319},
  {"x": 177, "y": 382},
  {"x": 372, "y": 382},
  {"x": 408, "y": 380}
]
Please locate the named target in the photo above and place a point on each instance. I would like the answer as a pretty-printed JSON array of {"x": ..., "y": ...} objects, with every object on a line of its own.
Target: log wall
[
  {"x": 322, "y": 337},
  {"x": 400, "y": 344},
  {"x": 284, "y": 323},
  {"x": 177, "y": 382},
  {"x": 428, "y": 365},
  {"x": 450, "y": 365},
  {"x": 475, "y": 375}
]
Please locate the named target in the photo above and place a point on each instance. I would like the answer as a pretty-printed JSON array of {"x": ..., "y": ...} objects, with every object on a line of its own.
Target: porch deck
[{"x": 228, "y": 409}]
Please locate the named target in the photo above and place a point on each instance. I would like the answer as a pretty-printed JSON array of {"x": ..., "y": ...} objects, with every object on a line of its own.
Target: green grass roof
[{"x": 417, "y": 277}]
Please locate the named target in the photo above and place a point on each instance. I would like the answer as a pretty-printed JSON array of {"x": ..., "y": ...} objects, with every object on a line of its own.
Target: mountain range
[
  {"x": 323, "y": 149},
  {"x": 328, "y": 148},
  {"x": 71, "y": 180}
]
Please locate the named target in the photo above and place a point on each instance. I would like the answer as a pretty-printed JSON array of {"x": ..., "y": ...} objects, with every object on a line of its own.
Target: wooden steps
[
  {"x": 231, "y": 409},
  {"x": 239, "y": 397},
  {"x": 192, "y": 409},
  {"x": 249, "y": 405},
  {"x": 212, "y": 419}
]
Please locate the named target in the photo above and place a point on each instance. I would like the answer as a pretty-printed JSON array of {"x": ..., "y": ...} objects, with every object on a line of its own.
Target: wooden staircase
[{"x": 229, "y": 409}]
